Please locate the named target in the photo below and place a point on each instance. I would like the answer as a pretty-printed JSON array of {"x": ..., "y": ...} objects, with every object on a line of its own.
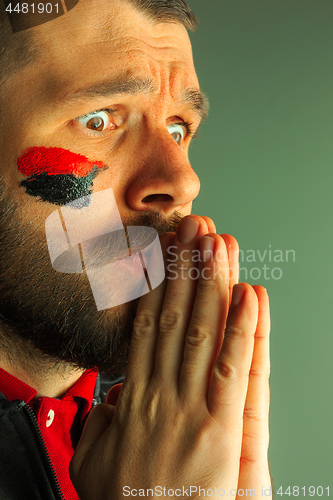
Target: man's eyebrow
[
  {"x": 106, "y": 88},
  {"x": 124, "y": 84},
  {"x": 198, "y": 101}
]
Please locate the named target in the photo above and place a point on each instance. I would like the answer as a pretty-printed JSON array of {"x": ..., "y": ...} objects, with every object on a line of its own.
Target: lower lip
[{"x": 132, "y": 266}]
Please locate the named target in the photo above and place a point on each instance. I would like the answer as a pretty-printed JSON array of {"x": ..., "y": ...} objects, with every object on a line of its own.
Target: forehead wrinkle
[
  {"x": 129, "y": 81},
  {"x": 167, "y": 64},
  {"x": 116, "y": 45}
]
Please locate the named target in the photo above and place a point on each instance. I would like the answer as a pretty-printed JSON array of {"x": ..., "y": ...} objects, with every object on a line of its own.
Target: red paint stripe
[{"x": 55, "y": 161}]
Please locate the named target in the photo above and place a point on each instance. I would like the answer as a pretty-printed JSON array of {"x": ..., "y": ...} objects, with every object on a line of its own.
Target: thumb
[{"x": 97, "y": 423}]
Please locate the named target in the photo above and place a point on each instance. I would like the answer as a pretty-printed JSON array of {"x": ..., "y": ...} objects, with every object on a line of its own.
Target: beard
[{"x": 49, "y": 318}]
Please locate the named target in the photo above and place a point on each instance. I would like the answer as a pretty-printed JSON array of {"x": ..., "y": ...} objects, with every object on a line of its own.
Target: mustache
[
  {"x": 139, "y": 233},
  {"x": 155, "y": 220}
]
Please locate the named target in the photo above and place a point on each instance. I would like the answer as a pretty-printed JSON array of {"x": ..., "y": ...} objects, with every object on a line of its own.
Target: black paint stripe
[{"x": 60, "y": 189}]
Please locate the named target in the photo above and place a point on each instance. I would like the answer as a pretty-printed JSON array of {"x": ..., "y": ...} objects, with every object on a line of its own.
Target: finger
[
  {"x": 141, "y": 357},
  {"x": 179, "y": 298},
  {"x": 233, "y": 256},
  {"x": 227, "y": 393},
  {"x": 113, "y": 394},
  {"x": 205, "y": 333},
  {"x": 97, "y": 423},
  {"x": 210, "y": 224},
  {"x": 256, "y": 411}
]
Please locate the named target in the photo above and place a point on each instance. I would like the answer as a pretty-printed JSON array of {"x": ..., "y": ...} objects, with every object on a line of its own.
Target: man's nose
[{"x": 163, "y": 179}]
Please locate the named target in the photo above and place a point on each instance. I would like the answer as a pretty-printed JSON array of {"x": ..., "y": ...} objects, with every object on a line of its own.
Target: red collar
[
  {"x": 13, "y": 388},
  {"x": 60, "y": 420}
]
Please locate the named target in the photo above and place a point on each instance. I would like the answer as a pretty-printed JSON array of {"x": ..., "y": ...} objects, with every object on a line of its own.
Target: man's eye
[
  {"x": 97, "y": 121},
  {"x": 178, "y": 132}
]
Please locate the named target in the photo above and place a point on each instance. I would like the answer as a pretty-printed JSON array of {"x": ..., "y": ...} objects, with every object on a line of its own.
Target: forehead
[{"x": 100, "y": 39}]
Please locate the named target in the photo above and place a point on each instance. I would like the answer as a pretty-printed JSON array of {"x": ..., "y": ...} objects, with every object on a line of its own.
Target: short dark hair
[
  {"x": 17, "y": 50},
  {"x": 168, "y": 11}
]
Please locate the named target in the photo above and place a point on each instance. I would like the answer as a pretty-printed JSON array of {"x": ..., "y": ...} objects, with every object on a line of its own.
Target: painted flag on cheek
[{"x": 57, "y": 175}]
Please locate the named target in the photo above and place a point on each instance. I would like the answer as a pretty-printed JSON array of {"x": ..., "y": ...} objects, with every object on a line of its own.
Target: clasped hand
[{"x": 193, "y": 409}]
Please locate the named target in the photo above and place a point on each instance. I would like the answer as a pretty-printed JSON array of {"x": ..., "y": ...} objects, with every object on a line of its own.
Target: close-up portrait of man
[{"x": 132, "y": 362}]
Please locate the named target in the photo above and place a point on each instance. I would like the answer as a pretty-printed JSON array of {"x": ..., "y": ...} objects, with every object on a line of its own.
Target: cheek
[{"x": 57, "y": 175}]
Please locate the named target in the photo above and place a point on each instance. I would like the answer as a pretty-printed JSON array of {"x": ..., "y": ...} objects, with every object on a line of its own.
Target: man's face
[{"x": 122, "y": 92}]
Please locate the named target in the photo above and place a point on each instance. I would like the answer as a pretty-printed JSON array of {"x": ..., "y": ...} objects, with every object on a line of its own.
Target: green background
[{"x": 264, "y": 158}]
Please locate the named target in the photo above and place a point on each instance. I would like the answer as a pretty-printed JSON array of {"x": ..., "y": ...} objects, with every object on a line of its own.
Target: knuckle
[
  {"x": 208, "y": 285},
  {"x": 247, "y": 460},
  {"x": 253, "y": 414},
  {"x": 226, "y": 370},
  {"x": 197, "y": 336},
  {"x": 144, "y": 324},
  {"x": 170, "y": 319},
  {"x": 204, "y": 433},
  {"x": 261, "y": 373},
  {"x": 257, "y": 373},
  {"x": 237, "y": 332},
  {"x": 152, "y": 405}
]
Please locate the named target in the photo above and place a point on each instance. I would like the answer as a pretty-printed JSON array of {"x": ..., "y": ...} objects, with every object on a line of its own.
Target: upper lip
[{"x": 98, "y": 250}]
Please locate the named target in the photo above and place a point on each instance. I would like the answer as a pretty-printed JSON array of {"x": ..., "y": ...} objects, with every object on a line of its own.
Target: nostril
[{"x": 156, "y": 197}]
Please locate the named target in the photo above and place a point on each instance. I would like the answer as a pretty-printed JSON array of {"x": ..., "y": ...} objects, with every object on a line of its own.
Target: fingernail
[
  {"x": 207, "y": 245},
  {"x": 237, "y": 295},
  {"x": 188, "y": 230}
]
